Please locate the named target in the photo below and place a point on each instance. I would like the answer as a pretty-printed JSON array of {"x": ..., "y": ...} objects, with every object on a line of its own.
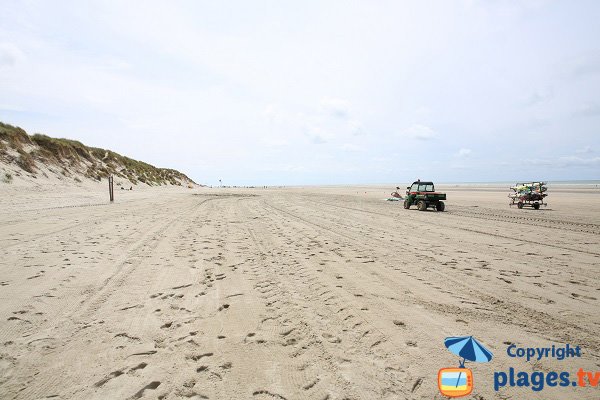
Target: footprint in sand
[
  {"x": 311, "y": 384},
  {"x": 267, "y": 394},
  {"x": 576, "y": 295},
  {"x": 17, "y": 319},
  {"x": 139, "y": 366},
  {"x": 151, "y": 386},
  {"x": 331, "y": 338},
  {"x": 125, "y": 335},
  {"x": 144, "y": 353},
  {"x": 196, "y": 357},
  {"x": 226, "y": 365},
  {"x": 417, "y": 384},
  {"x": 181, "y": 286},
  {"x": 110, "y": 376}
]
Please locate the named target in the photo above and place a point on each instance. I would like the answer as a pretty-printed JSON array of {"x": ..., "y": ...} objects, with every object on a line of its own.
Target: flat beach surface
[{"x": 291, "y": 293}]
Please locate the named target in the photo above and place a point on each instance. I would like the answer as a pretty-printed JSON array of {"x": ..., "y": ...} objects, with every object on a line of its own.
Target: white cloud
[
  {"x": 422, "y": 112},
  {"x": 588, "y": 110},
  {"x": 335, "y": 107},
  {"x": 573, "y": 161},
  {"x": 585, "y": 150},
  {"x": 11, "y": 107},
  {"x": 272, "y": 112},
  {"x": 294, "y": 168},
  {"x": 540, "y": 96},
  {"x": 564, "y": 162},
  {"x": 356, "y": 128},
  {"x": 463, "y": 153},
  {"x": 586, "y": 64},
  {"x": 350, "y": 147},
  {"x": 420, "y": 132},
  {"x": 10, "y": 55},
  {"x": 316, "y": 134}
]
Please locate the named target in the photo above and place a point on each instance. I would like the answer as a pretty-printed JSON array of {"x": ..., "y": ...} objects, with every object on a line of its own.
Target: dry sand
[{"x": 298, "y": 293}]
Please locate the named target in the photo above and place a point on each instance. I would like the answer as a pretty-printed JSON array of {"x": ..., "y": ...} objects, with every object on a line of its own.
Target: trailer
[{"x": 528, "y": 194}]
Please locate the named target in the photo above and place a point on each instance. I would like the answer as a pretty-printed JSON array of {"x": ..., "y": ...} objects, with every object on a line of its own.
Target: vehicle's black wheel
[
  {"x": 407, "y": 204},
  {"x": 440, "y": 206},
  {"x": 421, "y": 205},
  {"x": 536, "y": 206},
  {"x": 520, "y": 204}
]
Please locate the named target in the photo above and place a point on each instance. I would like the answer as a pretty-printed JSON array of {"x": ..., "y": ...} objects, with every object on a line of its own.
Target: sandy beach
[{"x": 288, "y": 293}]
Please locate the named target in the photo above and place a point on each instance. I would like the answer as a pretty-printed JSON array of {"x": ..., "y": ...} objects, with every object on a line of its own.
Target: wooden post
[{"x": 111, "y": 192}]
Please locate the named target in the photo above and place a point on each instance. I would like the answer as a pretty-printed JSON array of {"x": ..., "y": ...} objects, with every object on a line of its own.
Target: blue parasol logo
[
  {"x": 458, "y": 382},
  {"x": 468, "y": 348}
]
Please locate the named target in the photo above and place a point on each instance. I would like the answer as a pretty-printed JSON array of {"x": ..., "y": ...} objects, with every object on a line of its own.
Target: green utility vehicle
[{"x": 423, "y": 194}]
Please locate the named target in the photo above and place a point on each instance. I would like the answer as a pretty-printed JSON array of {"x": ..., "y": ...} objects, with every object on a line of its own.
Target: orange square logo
[{"x": 455, "y": 382}]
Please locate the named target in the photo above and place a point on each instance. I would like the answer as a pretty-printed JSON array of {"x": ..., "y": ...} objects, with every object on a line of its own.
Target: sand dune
[{"x": 319, "y": 293}]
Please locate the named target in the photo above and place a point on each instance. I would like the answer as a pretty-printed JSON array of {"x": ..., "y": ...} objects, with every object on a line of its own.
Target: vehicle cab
[{"x": 418, "y": 187}]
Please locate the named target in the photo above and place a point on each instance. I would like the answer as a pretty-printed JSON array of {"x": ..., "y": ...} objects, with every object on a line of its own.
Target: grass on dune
[{"x": 73, "y": 157}]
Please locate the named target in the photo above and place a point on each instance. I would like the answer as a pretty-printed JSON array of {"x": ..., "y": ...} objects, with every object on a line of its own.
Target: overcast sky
[{"x": 314, "y": 92}]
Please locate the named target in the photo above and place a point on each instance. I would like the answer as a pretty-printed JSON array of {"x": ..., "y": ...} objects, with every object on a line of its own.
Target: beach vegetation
[{"x": 74, "y": 158}]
